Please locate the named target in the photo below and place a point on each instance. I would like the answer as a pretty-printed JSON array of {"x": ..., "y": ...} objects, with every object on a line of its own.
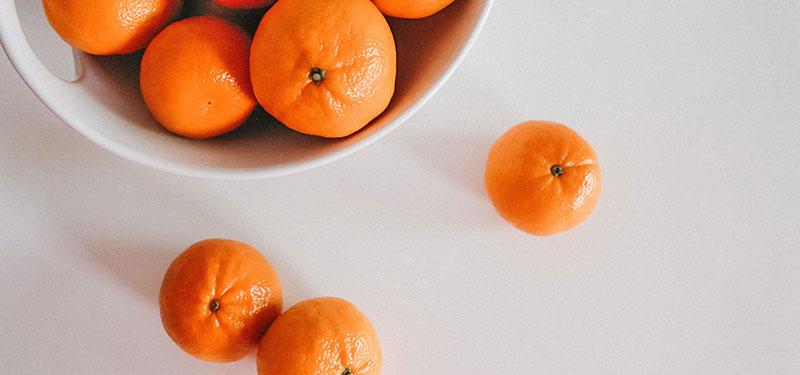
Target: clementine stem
[
  {"x": 317, "y": 75},
  {"x": 557, "y": 170}
]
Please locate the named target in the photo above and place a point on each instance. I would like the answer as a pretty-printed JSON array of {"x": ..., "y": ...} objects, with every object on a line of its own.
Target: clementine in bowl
[
  {"x": 110, "y": 27},
  {"x": 411, "y": 8},
  {"x": 324, "y": 67},
  {"x": 320, "y": 336},
  {"x": 195, "y": 78},
  {"x": 543, "y": 177},
  {"x": 217, "y": 299}
]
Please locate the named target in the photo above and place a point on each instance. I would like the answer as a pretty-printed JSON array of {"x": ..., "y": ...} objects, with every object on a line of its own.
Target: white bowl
[{"x": 104, "y": 103}]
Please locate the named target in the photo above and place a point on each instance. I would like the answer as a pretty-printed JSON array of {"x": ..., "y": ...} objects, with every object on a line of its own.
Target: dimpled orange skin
[
  {"x": 217, "y": 299},
  {"x": 411, "y": 8},
  {"x": 543, "y": 177},
  {"x": 347, "y": 43},
  {"x": 322, "y": 336},
  {"x": 195, "y": 78},
  {"x": 110, "y": 27},
  {"x": 245, "y": 4}
]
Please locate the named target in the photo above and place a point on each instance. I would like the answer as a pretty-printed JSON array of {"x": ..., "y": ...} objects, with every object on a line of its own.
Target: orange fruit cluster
[
  {"x": 220, "y": 299},
  {"x": 321, "y": 67}
]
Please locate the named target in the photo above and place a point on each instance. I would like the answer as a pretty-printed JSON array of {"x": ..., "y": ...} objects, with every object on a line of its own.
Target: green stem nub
[
  {"x": 213, "y": 306},
  {"x": 557, "y": 170},
  {"x": 317, "y": 75},
  {"x": 347, "y": 371}
]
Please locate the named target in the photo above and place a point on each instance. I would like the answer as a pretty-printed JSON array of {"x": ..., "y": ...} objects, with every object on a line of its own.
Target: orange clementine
[
  {"x": 320, "y": 336},
  {"x": 195, "y": 78},
  {"x": 245, "y": 4},
  {"x": 324, "y": 67},
  {"x": 543, "y": 177},
  {"x": 411, "y": 8},
  {"x": 217, "y": 299},
  {"x": 110, "y": 27}
]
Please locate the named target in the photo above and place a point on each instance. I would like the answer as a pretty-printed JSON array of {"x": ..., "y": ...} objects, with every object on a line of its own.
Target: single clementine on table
[
  {"x": 195, "y": 78},
  {"x": 324, "y": 67},
  {"x": 327, "y": 336},
  {"x": 411, "y": 8},
  {"x": 110, "y": 27},
  {"x": 543, "y": 177},
  {"x": 217, "y": 299}
]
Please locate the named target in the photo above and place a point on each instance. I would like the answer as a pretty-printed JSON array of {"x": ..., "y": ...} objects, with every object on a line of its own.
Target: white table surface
[{"x": 689, "y": 265}]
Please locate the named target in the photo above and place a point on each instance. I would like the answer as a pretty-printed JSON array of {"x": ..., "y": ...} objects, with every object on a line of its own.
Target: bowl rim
[{"x": 42, "y": 82}]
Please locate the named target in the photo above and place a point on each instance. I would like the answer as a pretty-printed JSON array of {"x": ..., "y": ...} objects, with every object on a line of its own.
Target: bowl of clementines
[{"x": 243, "y": 89}]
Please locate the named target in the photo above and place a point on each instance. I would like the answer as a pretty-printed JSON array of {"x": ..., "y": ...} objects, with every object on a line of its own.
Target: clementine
[
  {"x": 195, "y": 78},
  {"x": 217, "y": 299},
  {"x": 110, "y": 27},
  {"x": 543, "y": 177},
  {"x": 320, "y": 336},
  {"x": 411, "y": 8},
  {"x": 324, "y": 67}
]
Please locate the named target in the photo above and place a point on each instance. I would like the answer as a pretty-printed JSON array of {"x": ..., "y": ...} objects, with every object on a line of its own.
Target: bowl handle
[{"x": 20, "y": 53}]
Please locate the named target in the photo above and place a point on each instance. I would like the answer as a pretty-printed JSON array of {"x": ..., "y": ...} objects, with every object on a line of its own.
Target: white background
[{"x": 689, "y": 265}]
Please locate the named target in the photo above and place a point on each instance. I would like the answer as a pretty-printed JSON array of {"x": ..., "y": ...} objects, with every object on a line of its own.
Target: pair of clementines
[
  {"x": 321, "y": 67},
  {"x": 220, "y": 299}
]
